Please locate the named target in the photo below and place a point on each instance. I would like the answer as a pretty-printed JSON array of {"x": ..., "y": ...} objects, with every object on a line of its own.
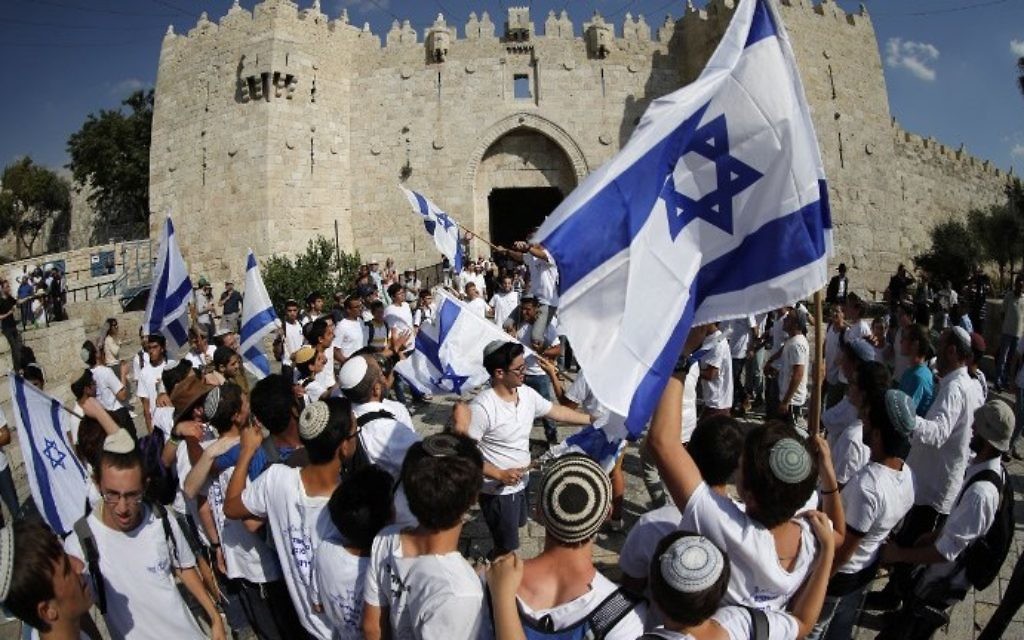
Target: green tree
[
  {"x": 31, "y": 197},
  {"x": 998, "y": 232},
  {"x": 321, "y": 268},
  {"x": 953, "y": 255},
  {"x": 110, "y": 155}
]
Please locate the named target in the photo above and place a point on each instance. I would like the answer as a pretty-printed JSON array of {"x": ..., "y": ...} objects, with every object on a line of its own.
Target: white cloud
[
  {"x": 1017, "y": 151},
  {"x": 1017, "y": 47},
  {"x": 127, "y": 86},
  {"x": 916, "y": 57}
]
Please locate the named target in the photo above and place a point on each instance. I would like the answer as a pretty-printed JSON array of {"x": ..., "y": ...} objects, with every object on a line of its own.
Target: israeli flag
[
  {"x": 449, "y": 353},
  {"x": 167, "y": 308},
  {"x": 716, "y": 208},
  {"x": 56, "y": 479},
  {"x": 258, "y": 319},
  {"x": 439, "y": 225}
]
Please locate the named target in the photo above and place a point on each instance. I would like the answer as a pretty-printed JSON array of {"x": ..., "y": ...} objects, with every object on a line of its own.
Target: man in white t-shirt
[
  {"x": 418, "y": 585},
  {"x": 716, "y": 380},
  {"x": 136, "y": 562},
  {"x": 292, "y": 336},
  {"x": 543, "y": 283},
  {"x": 504, "y": 301},
  {"x": 293, "y": 501},
  {"x": 398, "y": 314},
  {"x": 794, "y": 369},
  {"x": 350, "y": 332},
  {"x": 500, "y": 419},
  {"x": 475, "y": 302},
  {"x": 149, "y": 377},
  {"x": 321, "y": 338},
  {"x": 549, "y": 347}
]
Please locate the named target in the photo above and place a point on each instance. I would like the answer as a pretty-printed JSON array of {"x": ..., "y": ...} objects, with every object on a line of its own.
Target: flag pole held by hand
[{"x": 817, "y": 367}]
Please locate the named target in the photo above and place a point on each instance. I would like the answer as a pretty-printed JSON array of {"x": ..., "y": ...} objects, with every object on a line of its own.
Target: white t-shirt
[
  {"x": 293, "y": 341},
  {"x": 796, "y": 351},
  {"x": 428, "y": 597},
  {"x": 833, "y": 338},
  {"x": 638, "y": 549},
  {"x": 386, "y": 441},
  {"x": 543, "y": 278},
  {"x": 502, "y": 430},
  {"x": 690, "y": 402},
  {"x": 737, "y": 332},
  {"x": 108, "y": 385},
  {"x": 778, "y": 338},
  {"x": 398, "y": 317},
  {"x": 874, "y": 502},
  {"x": 299, "y": 522},
  {"x": 551, "y": 339},
  {"x": 860, "y": 330},
  {"x": 74, "y": 423},
  {"x": 738, "y": 624},
  {"x": 326, "y": 377},
  {"x": 349, "y": 336},
  {"x": 143, "y": 601},
  {"x": 630, "y": 627},
  {"x": 246, "y": 554},
  {"x": 757, "y": 579},
  {"x": 718, "y": 392},
  {"x": 200, "y": 360},
  {"x": 338, "y": 587},
  {"x": 845, "y": 435},
  {"x": 478, "y": 306},
  {"x": 150, "y": 382},
  {"x": 504, "y": 304}
]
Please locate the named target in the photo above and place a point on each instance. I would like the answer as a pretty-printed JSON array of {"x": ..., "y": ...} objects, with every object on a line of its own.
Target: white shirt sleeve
[
  {"x": 738, "y": 623},
  {"x": 541, "y": 406},
  {"x": 255, "y": 495},
  {"x": 371, "y": 585},
  {"x": 970, "y": 519},
  {"x": 860, "y": 507},
  {"x": 937, "y": 427}
]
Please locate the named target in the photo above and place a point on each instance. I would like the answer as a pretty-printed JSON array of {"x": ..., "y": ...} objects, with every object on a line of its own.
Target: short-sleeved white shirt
[
  {"x": 550, "y": 340},
  {"x": 143, "y": 601},
  {"x": 738, "y": 624},
  {"x": 630, "y": 627},
  {"x": 638, "y": 549},
  {"x": 502, "y": 430},
  {"x": 504, "y": 304},
  {"x": 796, "y": 351},
  {"x": 833, "y": 338},
  {"x": 150, "y": 382},
  {"x": 108, "y": 385},
  {"x": 874, "y": 502},
  {"x": 299, "y": 522},
  {"x": 738, "y": 331},
  {"x": 845, "y": 435},
  {"x": 338, "y": 586},
  {"x": 718, "y": 392},
  {"x": 398, "y": 317},
  {"x": 293, "y": 340},
  {"x": 478, "y": 306},
  {"x": 386, "y": 441},
  {"x": 543, "y": 279},
  {"x": 428, "y": 597},
  {"x": 349, "y": 336}
]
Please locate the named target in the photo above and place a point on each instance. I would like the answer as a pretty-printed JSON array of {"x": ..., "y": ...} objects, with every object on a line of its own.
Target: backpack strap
[
  {"x": 985, "y": 475},
  {"x": 168, "y": 532},
  {"x": 758, "y": 624},
  {"x": 611, "y": 610},
  {"x": 366, "y": 418},
  {"x": 92, "y": 560}
]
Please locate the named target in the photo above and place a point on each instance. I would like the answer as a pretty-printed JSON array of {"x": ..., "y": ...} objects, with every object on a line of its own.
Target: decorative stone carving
[
  {"x": 600, "y": 37},
  {"x": 439, "y": 39},
  {"x": 518, "y": 28}
]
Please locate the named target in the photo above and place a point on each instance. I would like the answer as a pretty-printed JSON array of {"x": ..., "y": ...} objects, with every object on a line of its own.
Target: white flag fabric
[
  {"x": 258, "y": 319},
  {"x": 441, "y": 227},
  {"x": 449, "y": 354},
  {"x": 56, "y": 479},
  {"x": 167, "y": 308},
  {"x": 716, "y": 208}
]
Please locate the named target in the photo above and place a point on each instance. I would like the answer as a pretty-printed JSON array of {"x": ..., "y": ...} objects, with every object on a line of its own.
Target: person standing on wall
[{"x": 231, "y": 304}]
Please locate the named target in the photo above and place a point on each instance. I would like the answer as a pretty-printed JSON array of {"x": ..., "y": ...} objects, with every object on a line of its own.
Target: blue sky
[{"x": 949, "y": 64}]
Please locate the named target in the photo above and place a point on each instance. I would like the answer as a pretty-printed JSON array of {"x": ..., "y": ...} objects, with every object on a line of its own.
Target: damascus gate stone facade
[{"x": 273, "y": 126}]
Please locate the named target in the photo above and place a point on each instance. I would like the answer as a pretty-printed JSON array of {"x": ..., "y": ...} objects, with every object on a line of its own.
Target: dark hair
[
  {"x": 91, "y": 353},
  {"x": 376, "y": 304},
  {"x": 313, "y": 297},
  {"x": 291, "y": 302},
  {"x": 775, "y": 501},
  {"x": 855, "y": 302},
  {"x": 230, "y": 403},
  {"x": 222, "y": 357},
  {"x": 502, "y": 357},
  {"x": 361, "y": 505},
  {"x": 894, "y": 443},
  {"x": 90, "y": 441},
  {"x": 363, "y": 390},
  {"x": 529, "y": 300},
  {"x": 919, "y": 335},
  {"x": 38, "y": 550},
  {"x": 317, "y": 329},
  {"x": 83, "y": 381},
  {"x": 272, "y": 401},
  {"x": 872, "y": 379},
  {"x": 173, "y": 375},
  {"x": 33, "y": 373},
  {"x": 323, "y": 448},
  {"x": 195, "y": 334},
  {"x": 441, "y": 488},
  {"x": 715, "y": 447},
  {"x": 352, "y": 298},
  {"x": 424, "y": 293},
  {"x": 688, "y": 609},
  {"x": 159, "y": 339},
  {"x": 129, "y": 460},
  {"x": 393, "y": 291}
]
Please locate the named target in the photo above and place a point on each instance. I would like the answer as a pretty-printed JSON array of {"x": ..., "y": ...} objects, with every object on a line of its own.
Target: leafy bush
[
  {"x": 953, "y": 256},
  {"x": 320, "y": 269}
]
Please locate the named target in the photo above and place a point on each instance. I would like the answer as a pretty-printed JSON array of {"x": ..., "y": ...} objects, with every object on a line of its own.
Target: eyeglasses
[
  {"x": 131, "y": 498},
  {"x": 520, "y": 370}
]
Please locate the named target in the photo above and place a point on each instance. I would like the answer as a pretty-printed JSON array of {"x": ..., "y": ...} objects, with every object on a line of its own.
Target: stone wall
[{"x": 270, "y": 126}]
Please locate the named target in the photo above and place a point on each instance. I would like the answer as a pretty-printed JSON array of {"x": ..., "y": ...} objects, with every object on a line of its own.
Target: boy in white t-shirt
[
  {"x": 350, "y": 334},
  {"x": 418, "y": 585},
  {"x": 475, "y": 302},
  {"x": 771, "y": 549},
  {"x": 504, "y": 302},
  {"x": 716, "y": 374},
  {"x": 359, "y": 509}
]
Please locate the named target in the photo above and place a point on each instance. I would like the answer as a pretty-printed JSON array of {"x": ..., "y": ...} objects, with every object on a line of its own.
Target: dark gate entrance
[{"x": 515, "y": 213}]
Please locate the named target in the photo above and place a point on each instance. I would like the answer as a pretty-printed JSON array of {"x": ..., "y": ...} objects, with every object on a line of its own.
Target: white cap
[{"x": 352, "y": 372}]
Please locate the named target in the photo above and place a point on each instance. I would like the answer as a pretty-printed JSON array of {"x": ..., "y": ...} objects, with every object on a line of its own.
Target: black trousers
[
  {"x": 921, "y": 519},
  {"x": 269, "y": 609}
]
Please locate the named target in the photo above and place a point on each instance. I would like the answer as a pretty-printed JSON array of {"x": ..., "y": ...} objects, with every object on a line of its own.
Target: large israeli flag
[
  {"x": 167, "y": 308},
  {"x": 56, "y": 479},
  {"x": 441, "y": 227},
  {"x": 258, "y": 319},
  {"x": 449, "y": 353},
  {"x": 716, "y": 207}
]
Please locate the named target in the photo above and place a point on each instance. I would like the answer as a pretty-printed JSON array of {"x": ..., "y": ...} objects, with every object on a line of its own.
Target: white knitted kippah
[
  {"x": 790, "y": 461},
  {"x": 692, "y": 564},
  {"x": 313, "y": 420}
]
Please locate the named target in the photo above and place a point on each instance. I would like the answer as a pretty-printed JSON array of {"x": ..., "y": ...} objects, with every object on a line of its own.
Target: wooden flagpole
[
  {"x": 817, "y": 367},
  {"x": 477, "y": 236}
]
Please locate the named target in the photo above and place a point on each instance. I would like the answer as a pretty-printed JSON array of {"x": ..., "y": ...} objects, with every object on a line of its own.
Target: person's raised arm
[
  {"x": 510, "y": 253},
  {"x": 664, "y": 442},
  {"x": 252, "y": 438},
  {"x": 828, "y": 488},
  {"x": 551, "y": 370},
  {"x": 503, "y": 578},
  {"x": 806, "y": 604},
  {"x": 92, "y": 408},
  {"x": 200, "y": 472},
  {"x": 568, "y": 416}
]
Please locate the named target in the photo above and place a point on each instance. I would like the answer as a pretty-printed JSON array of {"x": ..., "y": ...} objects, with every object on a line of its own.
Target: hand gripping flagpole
[{"x": 817, "y": 367}]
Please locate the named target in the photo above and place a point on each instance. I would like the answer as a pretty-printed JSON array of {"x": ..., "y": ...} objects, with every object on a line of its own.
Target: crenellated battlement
[{"x": 930, "y": 149}]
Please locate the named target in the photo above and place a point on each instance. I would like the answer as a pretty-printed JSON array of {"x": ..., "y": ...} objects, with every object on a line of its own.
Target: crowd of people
[{"x": 307, "y": 504}]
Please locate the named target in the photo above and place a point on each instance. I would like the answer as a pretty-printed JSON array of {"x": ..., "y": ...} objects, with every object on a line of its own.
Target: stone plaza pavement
[{"x": 967, "y": 620}]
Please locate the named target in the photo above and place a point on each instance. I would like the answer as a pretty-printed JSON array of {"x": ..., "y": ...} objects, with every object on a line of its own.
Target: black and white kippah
[
  {"x": 575, "y": 495},
  {"x": 790, "y": 461},
  {"x": 313, "y": 420},
  {"x": 212, "y": 402},
  {"x": 441, "y": 445},
  {"x": 692, "y": 564}
]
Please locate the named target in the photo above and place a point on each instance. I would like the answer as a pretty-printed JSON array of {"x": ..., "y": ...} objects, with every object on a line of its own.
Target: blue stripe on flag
[
  {"x": 763, "y": 24},
  {"x": 426, "y": 345},
  {"x": 422, "y": 202},
  {"x": 446, "y": 318},
  {"x": 250, "y": 261},
  {"x": 180, "y": 295},
  {"x": 55, "y": 409},
  {"x": 42, "y": 479},
  {"x": 608, "y": 222},
  {"x": 179, "y": 329},
  {"x": 803, "y": 235},
  {"x": 255, "y": 356},
  {"x": 257, "y": 322}
]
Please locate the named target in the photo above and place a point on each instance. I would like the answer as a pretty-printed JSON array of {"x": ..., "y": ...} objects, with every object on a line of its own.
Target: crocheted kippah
[
  {"x": 212, "y": 402},
  {"x": 900, "y": 408},
  {"x": 441, "y": 445},
  {"x": 313, "y": 420},
  {"x": 789, "y": 461},
  {"x": 692, "y": 564},
  {"x": 575, "y": 495}
]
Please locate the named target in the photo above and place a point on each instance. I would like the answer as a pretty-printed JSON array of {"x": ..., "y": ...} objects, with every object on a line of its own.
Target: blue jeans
[
  {"x": 838, "y": 615},
  {"x": 1007, "y": 348},
  {"x": 542, "y": 385}
]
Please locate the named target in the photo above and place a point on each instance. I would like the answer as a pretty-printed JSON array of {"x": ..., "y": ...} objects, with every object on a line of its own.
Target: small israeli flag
[
  {"x": 56, "y": 479},
  {"x": 717, "y": 207},
  {"x": 167, "y": 308},
  {"x": 258, "y": 319},
  {"x": 439, "y": 225}
]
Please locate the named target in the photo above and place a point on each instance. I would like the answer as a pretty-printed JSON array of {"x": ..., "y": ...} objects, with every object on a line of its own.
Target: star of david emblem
[
  {"x": 445, "y": 221},
  {"x": 54, "y": 455},
  {"x": 733, "y": 176},
  {"x": 450, "y": 375}
]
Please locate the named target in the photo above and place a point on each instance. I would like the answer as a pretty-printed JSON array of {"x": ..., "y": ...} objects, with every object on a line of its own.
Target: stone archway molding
[{"x": 524, "y": 120}]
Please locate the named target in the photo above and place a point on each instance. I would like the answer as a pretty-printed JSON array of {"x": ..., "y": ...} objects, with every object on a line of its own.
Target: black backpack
[{"x": 983, "y": 558}]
